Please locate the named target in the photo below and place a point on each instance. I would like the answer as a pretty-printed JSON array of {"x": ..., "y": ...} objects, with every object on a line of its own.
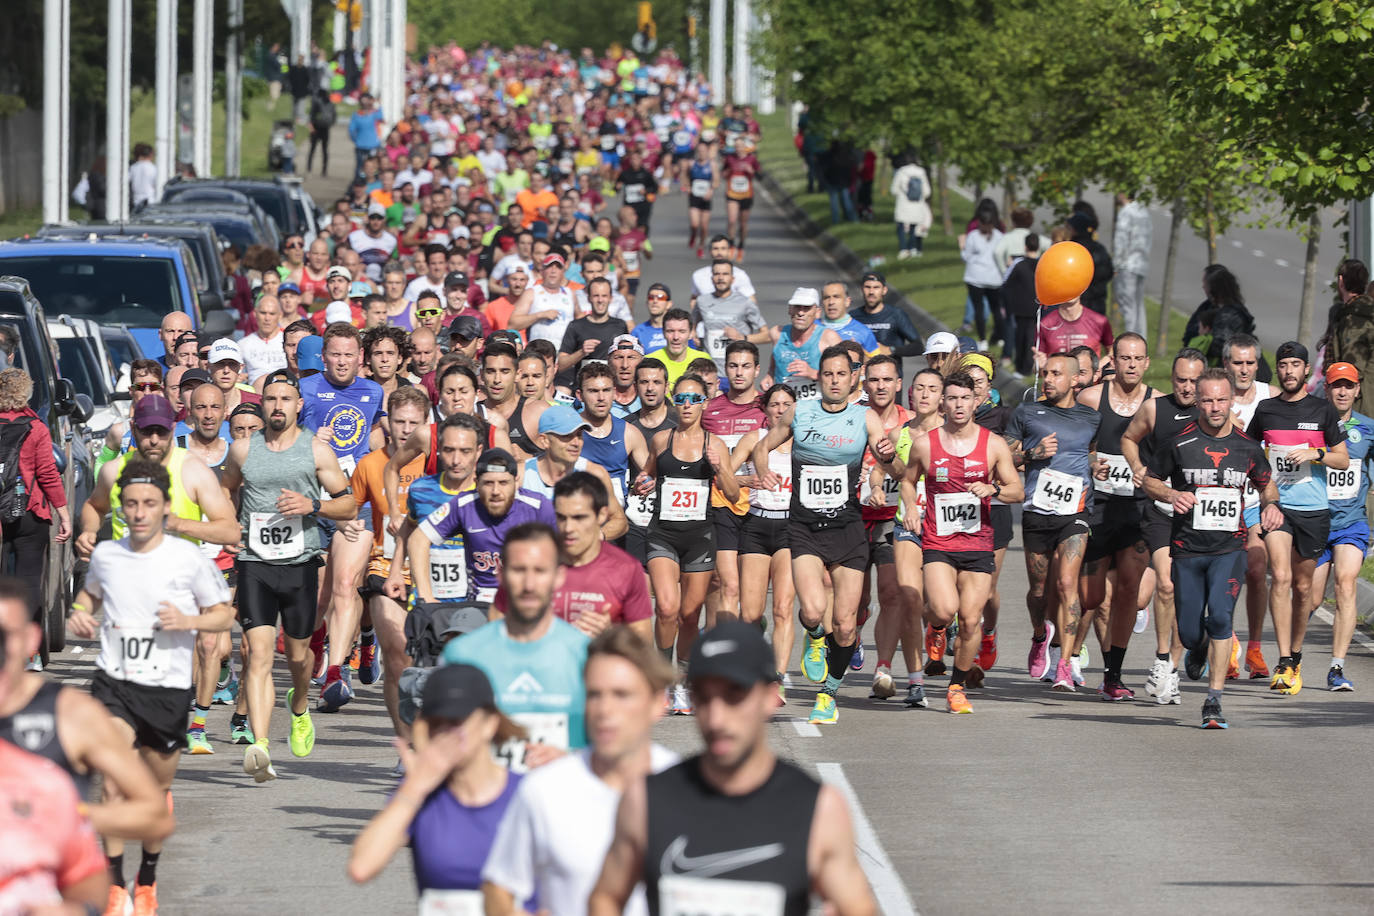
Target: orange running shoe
[
  {"x": 145, "y": 900},
  {"x": 935, "y": 651},
  {"x": 987, "y": 652},
  {"x": 355, "y": 659},
  {"x": 1233, "y": 669},
  {"x": 118, "y": 903},
  {"x": 1254, "y": 663},
  {"x": 956, "y": 700}
]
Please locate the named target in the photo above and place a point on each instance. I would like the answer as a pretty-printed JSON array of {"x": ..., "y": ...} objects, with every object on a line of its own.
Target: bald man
[{"x": 174, "y": 324}]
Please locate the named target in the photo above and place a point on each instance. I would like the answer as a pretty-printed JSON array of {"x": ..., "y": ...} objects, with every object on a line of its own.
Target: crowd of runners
[{"x": 456, "y": 459}]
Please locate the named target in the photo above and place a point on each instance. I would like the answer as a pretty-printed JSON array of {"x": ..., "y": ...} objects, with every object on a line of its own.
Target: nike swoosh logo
[
  {"x": 676, "y": 862},
  {"x": 615, "y": 441},
  {"x": 476, "y": 530},
  {"x": 1184, "y": 417}
]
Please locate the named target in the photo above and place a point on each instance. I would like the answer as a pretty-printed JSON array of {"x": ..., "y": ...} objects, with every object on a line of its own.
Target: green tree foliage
[{"x": 571, "y": 24}]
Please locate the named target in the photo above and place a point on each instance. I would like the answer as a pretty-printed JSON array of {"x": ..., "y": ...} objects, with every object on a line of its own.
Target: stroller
[
  {"x": 280, "y": 146},
  {"x": 428, "y": 628}
]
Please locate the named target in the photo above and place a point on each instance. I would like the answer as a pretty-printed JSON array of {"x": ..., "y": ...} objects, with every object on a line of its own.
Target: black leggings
[
  {"x": 320, "y": 139},
  {"x": 987, "y": 301},
  {"x": 25, "y": 553},
  {"x": 1205, "y": 590}
]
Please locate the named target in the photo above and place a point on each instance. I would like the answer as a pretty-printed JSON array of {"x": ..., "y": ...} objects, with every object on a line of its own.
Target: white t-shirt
[
  {"x": 421, "y": 283},
  {"x": 1244, "y": 413},
  {"x": 418, "y": 178},
  {"x": 142, "y": 182},
  {"x": 130, "y": 587},
  {"x": 509, "y": 263},
  {"x": 493, "y": 163},
  {"x": 262, "y": 356},
  {"x": 554, "y": 836},
  {"x": 702, "y": 285}
]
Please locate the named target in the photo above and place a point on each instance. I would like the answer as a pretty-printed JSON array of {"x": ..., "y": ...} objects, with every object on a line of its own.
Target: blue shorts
[
  {"x": 901, "y": 533},
  {"x": 1357, "y": 534},
  {"x": 1252, "y": 516},
  {"x": 611, "y": 159}
]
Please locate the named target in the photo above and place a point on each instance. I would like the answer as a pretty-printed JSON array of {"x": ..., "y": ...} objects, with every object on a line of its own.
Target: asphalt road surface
[{"x": 1038, "y": 802}]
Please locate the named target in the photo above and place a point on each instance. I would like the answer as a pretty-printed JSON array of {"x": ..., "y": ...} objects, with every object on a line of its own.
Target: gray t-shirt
[{"x": 712, "y": 316}]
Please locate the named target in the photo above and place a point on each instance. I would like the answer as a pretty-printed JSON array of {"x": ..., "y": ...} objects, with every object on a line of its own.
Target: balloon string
[{"x": 1039, "y": 315}]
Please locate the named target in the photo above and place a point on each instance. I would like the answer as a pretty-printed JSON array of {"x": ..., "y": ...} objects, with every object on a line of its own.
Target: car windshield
[
  {"x": 122, "y": 352},
  {"x": 76, "y": 362},
  {"x": 238, "y": 232},
  {"x": 112, "y": 289},
  {"x": 273, "y": 202}
]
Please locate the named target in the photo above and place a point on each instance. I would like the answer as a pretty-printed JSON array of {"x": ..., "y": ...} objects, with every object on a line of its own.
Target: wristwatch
[
  {"x": 996, "y": 489},
  {"x": 315, "y": 506}
]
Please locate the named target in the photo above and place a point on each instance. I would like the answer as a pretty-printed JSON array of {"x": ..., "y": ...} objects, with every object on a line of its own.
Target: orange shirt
[
  {"x": 498, "y": 313},
  {"x": 532, "y": 202},
  {"x": 367, "y": 488}
]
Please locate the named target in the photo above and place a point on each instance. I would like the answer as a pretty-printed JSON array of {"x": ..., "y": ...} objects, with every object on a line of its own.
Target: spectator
[
  {"x": 299, "y": 82},
  {"x": 1131, "y": 241},
  {"x": 1083, "y": 230},
  {"x": 981, "y": 275},
  {"x": 836, "y": 165},
  {"x": 1022, "y": 309},
  {"x": 1229, "y": 316},
  {"x": 363, "y": 130},
  {"x": 911, "y": 192},
  {"x": 142, "y": 177},
  {"x": 322, "y": 118},
  {"x": 1013, "y": 244},
  {"x": 1350, "y": 337},
  {"x": 868, "y": 167}
]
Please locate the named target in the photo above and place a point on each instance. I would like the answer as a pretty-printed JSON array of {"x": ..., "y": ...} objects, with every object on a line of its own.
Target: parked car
[
  {"x": 115, "y": 281},
  {"x": 122, "y": 349},
  {"x": 83, "y": 360},
  {"x": 59, "y": 405},
  {"x": 280, "y": 198},
  {"x": 242, "y": 223}
]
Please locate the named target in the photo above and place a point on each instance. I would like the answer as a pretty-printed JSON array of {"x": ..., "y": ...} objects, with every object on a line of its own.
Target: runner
[
  {"x": 701, "y": 182},
  {"x": 1055, "y": 439},
  {"x": 626, "y": 353},
  {"x": 545, "y": 309},
  {"x": 685, "y": 832},
  {"x": 1158, "y": 421},
  {"x": 561, "y": 432},
  {"x": 835, "y": 303},
  {"x": 658, "y": 302},
  {"x": 739, "y": 167},
  {"x": 702, "y": 279},
  {"x": 682, "y": 465},
  {"x": 1206, "y": 468},
  {"x": 723, "y": 315},
  {"x": 1063, "y": 327},
  {"x": 279, "y": 475},
  {"x": 1116, "y": 542},
  {"x": 677, "y": 352},
  {"x": 1303, "y": 437},
  {"x": 633, "y": 248},
  {"x": 890, "y": 325},
  {"x": 993, "y": 417},
  {"x": 826, "y": 531},
  {"x": 653, "y": 416},
  {"x": 608, "y": 440},
  {"x": 798, "y": 347},
  {"x": 144, "y": 583}
]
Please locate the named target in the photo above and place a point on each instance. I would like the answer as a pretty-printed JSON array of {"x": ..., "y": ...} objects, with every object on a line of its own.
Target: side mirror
[
  {"x": 219, "y": 323},
  {"x": 83, "y": 410},
  {"x": 64, "y": 404},
  {"x": 123, "y": 394}
]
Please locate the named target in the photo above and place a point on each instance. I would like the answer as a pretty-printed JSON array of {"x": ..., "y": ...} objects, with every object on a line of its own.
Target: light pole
[
  {"x": 202, "y": 39},
  {"x": 56, "y": 108},
  {"x": 165, "y": 89},
  {"x": 117, "y": 111},
  {"x": 233, "y": 91},
  {"x": 717, "y": 52}
]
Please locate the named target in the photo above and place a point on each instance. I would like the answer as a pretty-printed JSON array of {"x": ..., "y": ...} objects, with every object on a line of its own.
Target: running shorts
[
  {"x": 1159, "y": 528},
  {"x": 880, "y": 534},
  {"x": 1001, "y": 525},
  {"x": 729, "y": 527},
  {"x": 845, "y": 546},
  {"x": 1309, "y": 531},
  {"x": 267, "y": 593},
  {"x": 1120, "y": 529},
  {"x": 764, "y": 534},
  {"x": 975, "y": 561},
  {"x": 901, "y": 533},
  {"x": 699, "y": 203},
  {"x": 1043, "y": 533},
  {"x": 1357, "y": 534},
  {"x": 158, "y": 715},
  {"x": 691, "y": 552}
]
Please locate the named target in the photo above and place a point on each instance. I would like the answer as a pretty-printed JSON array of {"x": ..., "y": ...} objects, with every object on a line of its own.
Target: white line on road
[
  {"x": 893, "y": 899},
  {"x": 1325, "y": 616},
  {"x": 1257, "y": 253},
  {"x": 1281, "y": 262},
  {"x": 1237, "y": 243},
  {"x": 803, "y": 728}
]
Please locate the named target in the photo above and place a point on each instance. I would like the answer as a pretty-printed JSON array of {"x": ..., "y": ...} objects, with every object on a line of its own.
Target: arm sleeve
[
  {"x": 45, "y": 472},
  {"x": 510, "y": 864}
]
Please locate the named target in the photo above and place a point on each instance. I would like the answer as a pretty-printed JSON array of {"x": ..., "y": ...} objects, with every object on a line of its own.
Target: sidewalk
[{"x": 326, "y": 190}]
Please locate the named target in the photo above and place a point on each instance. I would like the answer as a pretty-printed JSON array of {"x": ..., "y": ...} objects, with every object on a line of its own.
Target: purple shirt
[
  {"x": 483, "y": 535},
  {"x": 449, "y": 841}
]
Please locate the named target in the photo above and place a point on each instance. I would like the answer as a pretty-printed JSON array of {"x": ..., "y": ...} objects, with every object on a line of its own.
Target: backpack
[
  {"x": 424, "y": 628},
  {"x": 915, "y": 189},
  {"x": 13, "y": 501},
  {"x": 323, "y": 117}
]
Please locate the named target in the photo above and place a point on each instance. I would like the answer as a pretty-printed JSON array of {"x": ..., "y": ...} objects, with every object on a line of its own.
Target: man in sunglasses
[
  {"x": 293, "y": 258},
  {"x": 650, "y": 332},
  {"x": 429, "y": 313}
]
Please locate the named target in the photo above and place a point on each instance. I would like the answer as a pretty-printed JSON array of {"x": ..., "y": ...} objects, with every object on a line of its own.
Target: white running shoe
[
  {"x": 1142, "y": 620},
  {"x": 1158, "y": 677},
  {"x": 1076, "y": 667},
  {"x": 883, "y": 687},
  {"x": 1052, "y": 665},
  {"x": 1173, "y": 695}
]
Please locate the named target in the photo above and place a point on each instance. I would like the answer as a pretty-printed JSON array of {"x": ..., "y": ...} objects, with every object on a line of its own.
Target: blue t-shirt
[
  {"x": 1068, "y": 485},
  {"x": 427, "y": 495},
  {"x": 1359, "y": 437},
  {"x": 621, "y": 411},
  {"x": 538, "y": 684},
  {"x": 481, "y": 535},
  {"x": 350, "y": 413},
  {"x": 857, "y": 331},
  {"x": 449, "y": 842},
  {"x": 650, "y": 337}
]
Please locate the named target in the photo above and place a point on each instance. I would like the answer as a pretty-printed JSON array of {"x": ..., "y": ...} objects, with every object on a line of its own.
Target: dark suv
[{"x": 284, "y": 201}]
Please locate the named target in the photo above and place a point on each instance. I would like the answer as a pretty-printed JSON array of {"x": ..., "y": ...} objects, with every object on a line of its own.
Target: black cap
[
  {"x": 662, "y": 288},
  {"x": 282, "y": 377},
  {"x": 456, "y": 692},
  {"x": 248, "y": 407},
  {"x": 735, "y": 651},
  {"x": 873, "y": 275},
  {"x": 456, "y": 279},
  {"x": 465, "y": 326},
  {"x": 194, "y": 377},
  {"x": 460, "y": 618},
  {"x": 186, "y": 337},
  {"x": 497, "y": 461},
  {"x": 1291, "y": 350}
]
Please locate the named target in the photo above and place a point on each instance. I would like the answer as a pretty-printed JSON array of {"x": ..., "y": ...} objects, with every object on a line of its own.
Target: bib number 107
[{"x": 136, "y": 648}]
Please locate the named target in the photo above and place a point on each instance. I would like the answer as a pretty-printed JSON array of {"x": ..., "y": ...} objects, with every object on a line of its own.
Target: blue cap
[
  {"x": 968, "y": 345},
  {"x": 289, "y": 288},
  {"x": 309, "y": 353},
  {"x": 561, "y": 420},
  {"x": 359, "y": 290}
]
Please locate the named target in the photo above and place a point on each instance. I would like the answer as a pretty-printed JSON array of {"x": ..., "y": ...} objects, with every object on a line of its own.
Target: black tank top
[
  {"x": 34, "y": 728},
  {"x": 671, "y": 466},
  {"x": 636, "y": 420},
  {"x": 701, "y": 843},
  {"x": 566, "y": 237},
  {"x": 1170, "y": 420},
  {"x": 518, "y": 435},
  {"x": 1110, "y": 431}
]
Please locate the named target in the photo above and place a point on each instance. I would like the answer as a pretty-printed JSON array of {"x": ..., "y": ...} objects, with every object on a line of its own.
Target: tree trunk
[
  {"x": 1162, "y": 347},
  {"x": 946, "y": 220},
  {"x": 1309, "y": 279},
  {"x": 1211, "y": 229},
  {"x": 1008, "y": 197}
]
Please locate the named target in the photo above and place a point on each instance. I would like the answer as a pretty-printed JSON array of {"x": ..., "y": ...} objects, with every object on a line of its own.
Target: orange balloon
[{"x": 1063, "y": 273}]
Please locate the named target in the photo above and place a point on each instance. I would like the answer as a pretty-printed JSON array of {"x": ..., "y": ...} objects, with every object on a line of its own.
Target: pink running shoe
[
  {"x": 1063, "y": 677},
  {"x": 1038, "y": 659}
]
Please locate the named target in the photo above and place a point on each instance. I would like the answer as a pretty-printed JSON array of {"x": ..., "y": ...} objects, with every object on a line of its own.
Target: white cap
[
  {"x": 376, "y": 209},
  {"x": 461, "y": 232},
  {"x": 224, "y": 349},
  {"x": 338, "y": 310},
  {"x": 805, "y": 295},
  {"x": 942, "y": 342}
]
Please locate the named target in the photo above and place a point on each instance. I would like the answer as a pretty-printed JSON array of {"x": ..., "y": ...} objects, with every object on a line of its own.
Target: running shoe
[
  {"x": 987, "y": 651},
  {"x": 227, "y": 693},
  {"x": 1337, "y": 682},
  {"x": 883, "y": 687},
  {"x": 369, "y": 664},
  {"x": 1084, "y": 658},
  {"x": 856, "y": 661},
  {"x": 1052, "y": 660},
  {"x": 355, "y": 657},
  {"x": 1282, "y": 679},
  {"x": 119, "y": 903},
  {"x": 935, "y": 650},
  {"x": 145, "y": 900},
  {"x": 35, "y": 663},
  {"x": 1294, "y": 682},
  {"x": 1233, "y": 666},
  {"x": 1195, "y": 660},
  {"x": 1158, "y": 678},
  {"x": 1254, "y": 663},
  {"x": 197, "y": 743},
  {"x": 916, "y": 696},
  {"x": 258, "y": 763},
  {"x": 1142, "y": 620},
  {"x": 1037, "y": 661},
  {"x": 1211, "y": 714},
  {"x": 1115, "y": 691},
  {"x": 682, "y": 700},
  {"x": 1076, "y": 669},
  {"x": 824, "y": 712},
  {"x": 335, "y": 696},
  {"x": 302, "y": 729},
  {"x": 319, "y": 647},
  {"x": 1172, "y": 697},
  {"x": 974, "y": 679},
  {"x": 782, "y": 696},
  {"x": 241, "y": 734},
  {"x": 399, "y": 770},
  {"x": 813, "y": 660},
  {"x": 956, "y": 701},
  {"x": 1063, "y": 677},
  {"x": 281, "y": 642}
]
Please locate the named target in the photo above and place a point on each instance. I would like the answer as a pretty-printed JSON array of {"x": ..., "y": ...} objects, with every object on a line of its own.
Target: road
[{"x": 1038, "y": 802}]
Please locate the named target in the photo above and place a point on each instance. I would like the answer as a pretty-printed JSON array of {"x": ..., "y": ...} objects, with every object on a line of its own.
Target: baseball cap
[
  {"x": 496, "y": 461},
  {"x": 289, "y": 288},
  {"x": 733, "y": 650},
  {"x": 465, "y": 326},
  {"x": 461, "y": 232},
  {"x": 485, "y": 207},
  {"x": 968, "y": 345},
  {"x": 194, "y": 377},
  {"x": 275, "y": 377},
  {"x": 154, "y": 410},
  {"x": 1342, "y": 372},
  {"x": 359, "y": 290},
  {"x": 805, "y": 295},
  {"x": 661, "y": 288},
  {"x": 184, "y": 338},
  {"x": 456, "y": 279},
  {"x": 873, "y": 275},
  {"x": 456, "y": 692},
  {"x": 552, "y": 259},
  {"x": 309, "y": 353},
  {"x": 1291, "y": 350},
  {"x": 338, "y": 310},
  {"x": 254, "y": 408},
  {"x": 457, "y": 619},
  {"x": 561, "y": 420},
  {"x": 942, "y": 342},
  {"x": 599, "y": 244},
  {"x": 627, "y": 342},
  {"x": 338, "y": 270},
  {"x": 225, "y": 349},
  {"x": 376, "y": 209}
]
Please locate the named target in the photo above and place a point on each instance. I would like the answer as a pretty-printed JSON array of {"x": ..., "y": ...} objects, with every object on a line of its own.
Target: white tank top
[
  {"x": 1244, "y": 413},
  {"x": 561, "y": 301},
  {"x": 778, "y": 500},
  {"x": 535, "y": 484}
]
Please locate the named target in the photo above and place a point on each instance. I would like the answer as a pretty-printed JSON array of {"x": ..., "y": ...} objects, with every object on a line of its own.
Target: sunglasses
[
  {"x": 688, "y": 397},
  {"x": 290, "y": 245},
  {"x": 147, "y": 386},
  {"x": 657, "y": 297},
  {"x": 428, "y": 312}
]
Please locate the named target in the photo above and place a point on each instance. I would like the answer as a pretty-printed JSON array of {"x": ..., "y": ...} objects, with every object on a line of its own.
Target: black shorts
[
  {"x": 158, "y": 715},
  {"x": 763, "y": 534},
  {"x": 1001, "y": 526},
  {"x": 1120, "y": 529},
  {"x": 879, "y": 540},
  {"x": 1159, "y": 528},
  {"x": 745, "y": 203},
  {"x": 846, "y": 545},
  {"x": 729, "y": 528},
  {"x": 1042, "y": 533},
  {"x": 636, "y": 543},
  {"x": 699, "y": 203},
  {"x": 692, "y": 552},
  {"x": 372, "y": 587},
  {"x": 268, "y": 592},
  {"x": 1309, "y": 530},
  {"x": 632, "y": 283},
  {"x": 975, "y": 561}
]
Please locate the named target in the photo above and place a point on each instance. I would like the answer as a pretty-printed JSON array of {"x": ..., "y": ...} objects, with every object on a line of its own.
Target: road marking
[
  {"x": 1236, "y": 242},
  {"x": 893, "y": 899},
  {"x": 1325, "y": 616},
  {"x": 1257, "y": 253},
  {"x": 804, "y": 728},
  {"x": 1281, "y": 262}
]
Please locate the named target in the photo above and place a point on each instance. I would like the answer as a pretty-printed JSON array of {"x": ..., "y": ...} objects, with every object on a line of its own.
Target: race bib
[
  {"x": 891, "y": 490},
  {"x": 1120, "y": 481},
  {"x": 435, "y": 902},
  {"x": 716, "y": 342},
  {"x": 631, "y": 261},
  {"x": 1057, "y": 493},
  {"x": 807, "y": 390},
  {"x": 957, "y": 513},
  {"x": 140, "y": 653},
  {"x": 824, "y": 487},
  {"x": 1343, "y": 485},
  {"x": 634, "y": 194},
  {"x": 739, "y": 184},
  {"x": 543, "y": 728},
  {"x": 683, "y": 139},
  {"x": 274, "y": 536},
  {"x": 685, "y": 895},
  {"x": 210, "y": 551},
  {"x": 608, "y": 142},
  {"x": 640, "y": 509},
  {"x": 1166, "y": 508},
  {"x": 1216, "y": 509},
  {"x": 701, "y": 187},
  {"x": 448, "y": 572},
  {"x": 774, "y": 500},
  {"x": 1287, "y": 471},
  {"x": 684, "y": 500},
  {"x": 388, "y": 543}
]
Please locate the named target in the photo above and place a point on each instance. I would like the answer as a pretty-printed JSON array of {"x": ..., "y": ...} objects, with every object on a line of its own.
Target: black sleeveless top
[
  {"x": 34, "y": 728},
  {"x": 702, "y": 844},
  {"x": 1110, "y": 431},
  {"x": 669, "y": 465},
  {"x": 519, "y": 437},
  {"x": 1170, "y": 420}
]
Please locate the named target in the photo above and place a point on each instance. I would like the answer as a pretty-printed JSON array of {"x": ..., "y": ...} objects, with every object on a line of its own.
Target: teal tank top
[
  {"x": 785, "y": 351},
  {"x": 827, "y": 458}
]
